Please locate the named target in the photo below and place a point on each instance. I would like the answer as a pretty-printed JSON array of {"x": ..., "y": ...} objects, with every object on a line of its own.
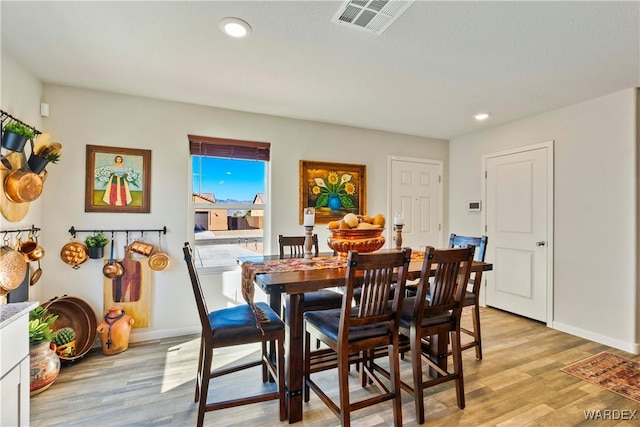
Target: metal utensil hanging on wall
[
  {"x": 159, "y": 260},
  {"x": 38, "y": 272},
  {"x": 112, "y": 269}
]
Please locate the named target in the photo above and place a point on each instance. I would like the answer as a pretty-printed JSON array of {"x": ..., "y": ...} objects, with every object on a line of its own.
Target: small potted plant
[
  {"x": 44, "y": 362},
  {"x": 15, "y": 136},
  {"x": 45, "y": 155},
  {"x": 96, "y": 244},
  {"x": 38, "y": 163}
]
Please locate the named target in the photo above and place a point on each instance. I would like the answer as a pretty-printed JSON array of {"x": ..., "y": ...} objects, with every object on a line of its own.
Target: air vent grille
[{"x": 373, "y": 16}]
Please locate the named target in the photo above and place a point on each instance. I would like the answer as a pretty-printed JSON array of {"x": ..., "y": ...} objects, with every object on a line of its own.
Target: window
[{"x": 229, "y": 198}]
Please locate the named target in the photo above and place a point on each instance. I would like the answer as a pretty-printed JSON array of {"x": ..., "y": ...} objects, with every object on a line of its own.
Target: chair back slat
[
  {"x": 375, "y": 273},
  {"x": 456, "y": 241},
  {"x": 447, "y": 289},
  {"x": 293, "y": 246},
  {"x": 203, "y": 312}
]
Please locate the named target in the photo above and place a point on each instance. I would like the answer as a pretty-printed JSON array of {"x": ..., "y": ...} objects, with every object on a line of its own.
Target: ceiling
[{"x": 435, "y": 67}]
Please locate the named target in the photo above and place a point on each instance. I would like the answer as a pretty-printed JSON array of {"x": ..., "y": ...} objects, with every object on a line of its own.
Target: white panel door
[
  {"x": 416, "y": 192},
  {"x": 517, "y": 208}
]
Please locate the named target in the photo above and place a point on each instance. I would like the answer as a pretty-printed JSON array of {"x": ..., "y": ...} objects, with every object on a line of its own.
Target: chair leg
[
  {"x": 199, "y": 377},
  {"x": 416, "y": 365},
  {"x": 307, "y": 365},
  {"x": 343, "y": 384},
  {"x": 394, "y": 364},
  {"x": 205, "y": 374},
  {"x": 265, "y": 371},
  {"x": 476, "y": 330},
  {"x": 281, "y": 374},
  {"x": 457, "y": 368},
  {"x": 366, "y": 357}
]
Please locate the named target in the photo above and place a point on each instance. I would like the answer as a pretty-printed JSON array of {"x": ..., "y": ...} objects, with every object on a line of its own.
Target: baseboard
[
  {"x": 139, "y": 336},
  {"x": 629, "y": 347}
]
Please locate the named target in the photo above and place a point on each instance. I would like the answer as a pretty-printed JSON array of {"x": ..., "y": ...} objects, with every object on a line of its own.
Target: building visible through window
[{"x": 229, "y": 198}]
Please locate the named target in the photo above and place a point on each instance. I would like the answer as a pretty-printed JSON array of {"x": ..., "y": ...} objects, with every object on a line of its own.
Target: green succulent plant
[
  {"x": 53, "y": 157},
  {"x": 20, "y": 129},
  {"x": 40, "y": 322},
  {"x": 96, "y": 241},
  {"x": 64, "y": 336}
]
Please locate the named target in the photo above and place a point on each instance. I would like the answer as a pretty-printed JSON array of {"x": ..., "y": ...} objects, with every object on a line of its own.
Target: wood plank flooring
[{"x": 519, "y": 383}]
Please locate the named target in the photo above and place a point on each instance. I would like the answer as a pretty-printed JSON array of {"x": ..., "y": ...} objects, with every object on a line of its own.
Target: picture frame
[
  {"x": 333, "y": 189},
  {"x": 117, "y": 180}
]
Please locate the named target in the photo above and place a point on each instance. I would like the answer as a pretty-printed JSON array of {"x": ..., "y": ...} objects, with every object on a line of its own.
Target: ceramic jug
[{"x": 114, "y": 331}]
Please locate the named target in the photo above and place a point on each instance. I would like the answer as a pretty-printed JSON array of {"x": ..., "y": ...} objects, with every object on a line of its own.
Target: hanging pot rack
[
  {"x": 73, "y": 231},
  {"x": 4, "y": 116},
  {"x": 32, "y": 231}
]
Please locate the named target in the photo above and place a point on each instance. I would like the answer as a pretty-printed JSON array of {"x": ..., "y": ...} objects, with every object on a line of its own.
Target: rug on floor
[{"x": 615, "y": 373}]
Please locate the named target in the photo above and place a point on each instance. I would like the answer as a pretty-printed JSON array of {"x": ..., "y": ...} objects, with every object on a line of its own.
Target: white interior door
[
  {"x": 518, "y": 222},
  {"x": 416, "y": 192}
]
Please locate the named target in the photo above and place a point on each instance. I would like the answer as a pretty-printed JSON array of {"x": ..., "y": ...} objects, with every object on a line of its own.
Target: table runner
[{"x": 251, "y": 269}]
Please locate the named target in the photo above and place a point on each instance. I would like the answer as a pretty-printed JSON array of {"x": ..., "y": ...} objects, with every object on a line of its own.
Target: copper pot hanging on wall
[
  {"x": 22, "y": 186},
  {"x": 13, "y": 268}
]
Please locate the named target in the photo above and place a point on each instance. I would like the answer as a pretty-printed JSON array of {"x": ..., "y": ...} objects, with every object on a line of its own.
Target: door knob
[{"x": 541, "y": 243}]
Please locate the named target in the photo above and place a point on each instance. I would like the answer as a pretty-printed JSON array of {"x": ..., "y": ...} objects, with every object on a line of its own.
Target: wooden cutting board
[
  {"x": 126, "y": 288},
  {"x": 135, "y": 291}
]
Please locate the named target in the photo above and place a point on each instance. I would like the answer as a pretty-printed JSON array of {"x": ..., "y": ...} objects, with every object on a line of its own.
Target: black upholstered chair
[
  {"x": 472, "y": 296},
  {"x": 351, "y": 331},
  {"x": 231, "y": 327}
]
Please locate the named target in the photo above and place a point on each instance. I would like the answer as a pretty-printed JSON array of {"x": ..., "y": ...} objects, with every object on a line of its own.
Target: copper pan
[
  {"x": 36, "y": 275},
  {"x": 159, "y": 260},
  {"x": 112, "y": 269},
  {"x": 22, "y": 186},
  {"x": 13, "y": 268},
  {"x": 74, "y": 253}
]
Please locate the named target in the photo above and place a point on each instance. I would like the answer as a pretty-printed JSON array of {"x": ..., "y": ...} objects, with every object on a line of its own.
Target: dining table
[{"x": 292, "y": 278}]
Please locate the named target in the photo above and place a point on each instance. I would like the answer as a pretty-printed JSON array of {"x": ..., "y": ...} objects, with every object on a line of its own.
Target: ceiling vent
[{"x": 373, "y": 16}]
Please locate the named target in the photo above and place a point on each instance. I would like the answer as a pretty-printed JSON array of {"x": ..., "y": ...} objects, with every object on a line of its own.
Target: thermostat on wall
[{"x": 475, "y": 205}]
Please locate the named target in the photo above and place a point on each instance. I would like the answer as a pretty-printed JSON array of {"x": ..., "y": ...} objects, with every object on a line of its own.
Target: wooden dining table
[{"x": 272, "y": 274}]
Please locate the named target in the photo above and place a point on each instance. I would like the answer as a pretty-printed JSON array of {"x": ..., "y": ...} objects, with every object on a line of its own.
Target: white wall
[
  {"x": 80, "y": 117},
  {"x": 20, "y": 93},
  {"x": 595, "y": 253}
]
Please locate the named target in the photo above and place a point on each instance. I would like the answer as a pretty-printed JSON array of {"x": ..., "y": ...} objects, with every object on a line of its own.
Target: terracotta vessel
[
  {"x": 45, "y": 366},
  {"x": 114, "y": 331}
]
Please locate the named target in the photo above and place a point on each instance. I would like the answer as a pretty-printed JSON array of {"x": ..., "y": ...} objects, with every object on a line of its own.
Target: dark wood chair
[
  {"x": 324, "y": 299},
  {"x": 439, "y": 315},
  {"x": 231, "y": 327},
  {"x": 350, "y": 331},
  {"x": 472, "y": 296}
]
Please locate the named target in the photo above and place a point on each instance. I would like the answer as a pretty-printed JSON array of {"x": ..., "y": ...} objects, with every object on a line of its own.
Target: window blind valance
[{"x": 229, "y": 148}]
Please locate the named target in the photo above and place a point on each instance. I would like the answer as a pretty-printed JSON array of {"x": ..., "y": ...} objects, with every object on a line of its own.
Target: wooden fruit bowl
[{"x": 361, "y": 240}]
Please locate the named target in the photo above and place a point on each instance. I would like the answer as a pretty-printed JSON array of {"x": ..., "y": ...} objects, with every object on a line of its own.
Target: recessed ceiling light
[
  {"x": 235, "y": 27},
  {"x": 481, "y": 116}
]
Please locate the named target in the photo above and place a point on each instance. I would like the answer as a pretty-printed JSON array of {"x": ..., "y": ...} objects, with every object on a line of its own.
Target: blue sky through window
[{"x": 228, "y": 179}]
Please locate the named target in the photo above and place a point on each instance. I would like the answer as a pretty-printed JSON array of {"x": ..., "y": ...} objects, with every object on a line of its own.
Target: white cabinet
[{"x": 14, "y": 363}]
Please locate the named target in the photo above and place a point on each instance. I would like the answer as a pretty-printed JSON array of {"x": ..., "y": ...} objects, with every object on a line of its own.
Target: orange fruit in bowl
[
  {"x": 343, "y": 225},
  {"x": 367, "y": 219},
  {"x": 379, "y": 220},
  {"x": 333, "y": 225}
]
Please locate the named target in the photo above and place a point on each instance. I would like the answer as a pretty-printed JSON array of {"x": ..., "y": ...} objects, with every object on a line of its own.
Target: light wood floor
[{"x": 519, "y": 383}]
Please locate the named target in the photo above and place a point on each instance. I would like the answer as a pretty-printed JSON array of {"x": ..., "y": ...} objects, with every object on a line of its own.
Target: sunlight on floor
[{"x": 181, "y": 361}]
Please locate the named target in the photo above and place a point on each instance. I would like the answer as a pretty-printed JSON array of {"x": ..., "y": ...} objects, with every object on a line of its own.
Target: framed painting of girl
[{"x": 117, "y": 180}]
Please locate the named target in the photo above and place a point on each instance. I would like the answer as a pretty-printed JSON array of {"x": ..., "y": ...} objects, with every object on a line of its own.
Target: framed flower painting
[
  {"x": 117, "y": 180},
  {"x": 333, "y": 189}
]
